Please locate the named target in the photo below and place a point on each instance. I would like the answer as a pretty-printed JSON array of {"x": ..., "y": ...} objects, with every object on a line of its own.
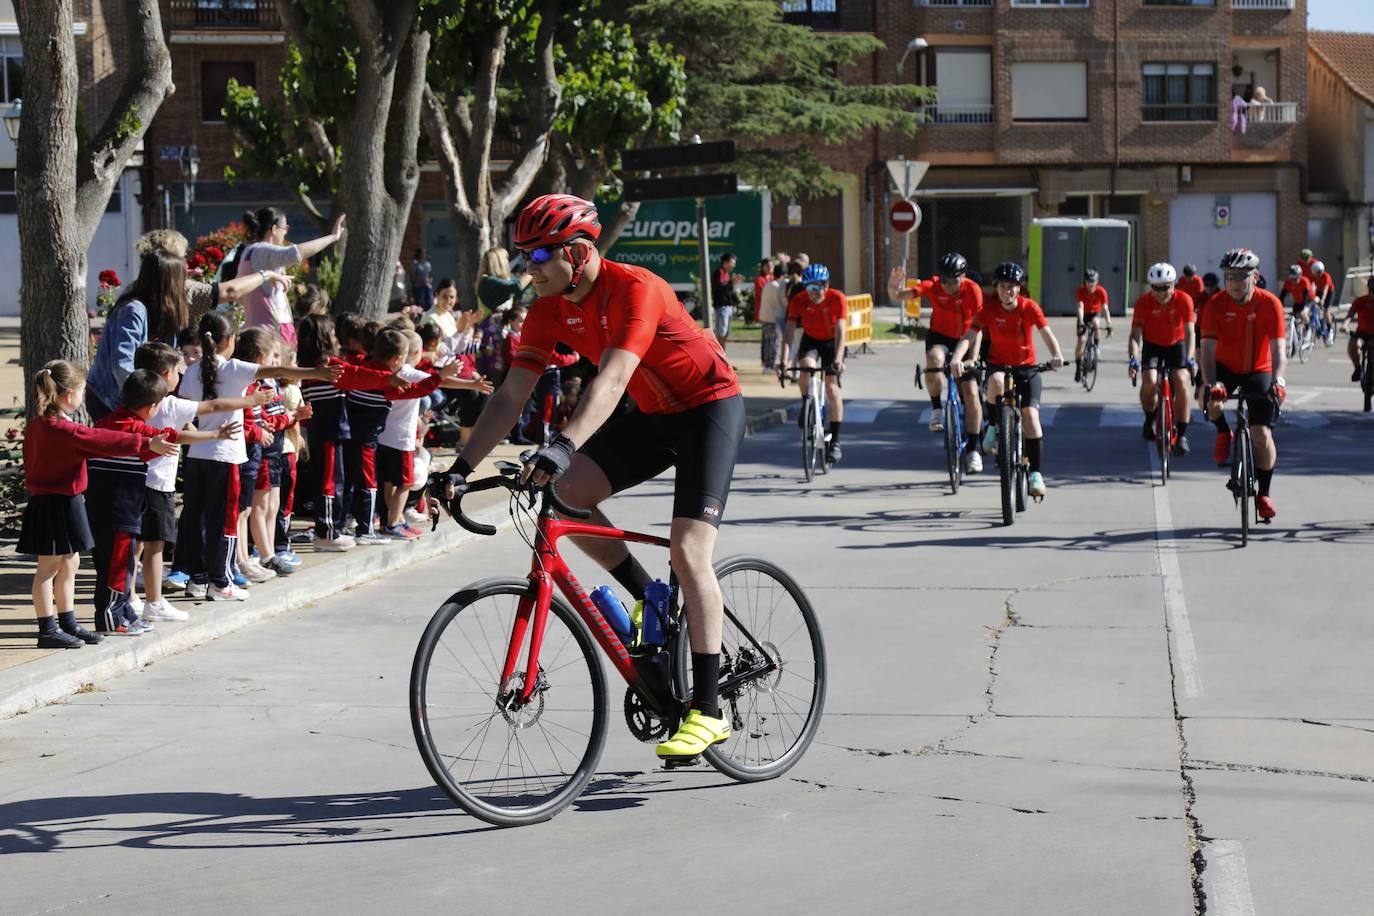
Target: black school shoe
[
  {"x": 85, "y": 635},
  {"x": 58, "y": 640}
]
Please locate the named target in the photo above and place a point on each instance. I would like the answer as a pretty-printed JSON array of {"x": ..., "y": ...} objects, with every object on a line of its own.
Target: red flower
[
  {"x": 215, "y": 253},
  {"x": 196, "y": 261},
  {"x": 109, "y": 278}
]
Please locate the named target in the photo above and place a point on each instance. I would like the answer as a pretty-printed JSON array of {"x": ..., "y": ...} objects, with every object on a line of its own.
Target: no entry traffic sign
[{"x": 904, "y": 216}]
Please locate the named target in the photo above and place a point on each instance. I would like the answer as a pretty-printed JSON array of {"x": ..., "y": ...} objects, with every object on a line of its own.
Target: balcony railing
[
  {"x": 247, "y": 15},
  {"x": 1272, "y": 113},
  {"x": 959, "y": 114},
  {"x": 955, "y": 2},
  {"x": 1261, "y": 4}
]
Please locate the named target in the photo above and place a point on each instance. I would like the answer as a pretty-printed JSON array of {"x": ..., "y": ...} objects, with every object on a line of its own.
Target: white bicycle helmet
[
  {"x": 1318, "y": 267},
  {"x": 1162, "y": 273}
]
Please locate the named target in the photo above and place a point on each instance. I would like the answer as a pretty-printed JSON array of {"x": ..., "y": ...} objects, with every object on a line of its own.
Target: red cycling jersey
[
  {"x": 632, "y": 309},
  {"x": 1300, "y": 290},
  {"x": 1243, "y": 332},
  {"x": 951, "y": 315},
  {"x": 1093, "y": 301},
  {"x": 817, "y": 319},
  {"x": 1362, "y": 310},
  {"x": 1306, "y": 265},
  {"x": 1323, "y": 284},
  {"x": 1011, "y": 340},
  {"x": 1195, "y": 289},
  {"x": 1163, "y": 324}
]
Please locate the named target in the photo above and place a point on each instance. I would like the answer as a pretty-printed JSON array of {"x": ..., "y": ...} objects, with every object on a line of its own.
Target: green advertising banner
[{"x": 663, "y": 237}]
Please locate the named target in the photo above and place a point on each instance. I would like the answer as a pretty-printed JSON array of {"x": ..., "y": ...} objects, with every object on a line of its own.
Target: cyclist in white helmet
[{"x": 1162, "y": 330}]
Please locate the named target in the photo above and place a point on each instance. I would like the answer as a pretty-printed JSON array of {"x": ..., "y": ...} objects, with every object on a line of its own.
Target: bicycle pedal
[{"x": 674, "y": 763}]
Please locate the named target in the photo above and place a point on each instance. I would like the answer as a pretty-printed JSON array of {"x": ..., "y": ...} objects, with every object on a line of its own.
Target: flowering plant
[
  {"x": 105, "y": 299},
  {"x": 209, "y": 250}
]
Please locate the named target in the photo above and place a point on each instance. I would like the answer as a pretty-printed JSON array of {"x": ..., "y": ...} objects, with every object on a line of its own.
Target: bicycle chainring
[{"x": 645, "y": 724}]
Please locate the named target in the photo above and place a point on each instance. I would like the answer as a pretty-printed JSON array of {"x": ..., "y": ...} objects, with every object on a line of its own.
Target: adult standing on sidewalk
[
  {"x": 267, "y": 250},
  {"x": 724, "y": 296},
  {"x": 154, "y": 307},
  {"x": 773, "y": 314},
  {"x": 421, "y": 281}
]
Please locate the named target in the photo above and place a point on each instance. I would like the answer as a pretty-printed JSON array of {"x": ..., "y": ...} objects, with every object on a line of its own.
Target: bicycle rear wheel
[
  {"x": 1245, "y": 475},
  {"x": 774, "y": 714},
  {"x": 954, "y": 445},
  {"x": 1006, "y": 466},
  {"x": 504, "y": 764}
]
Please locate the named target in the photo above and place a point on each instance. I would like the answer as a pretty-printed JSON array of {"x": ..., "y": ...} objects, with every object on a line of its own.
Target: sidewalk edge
[{"x": 44, "y": 681}]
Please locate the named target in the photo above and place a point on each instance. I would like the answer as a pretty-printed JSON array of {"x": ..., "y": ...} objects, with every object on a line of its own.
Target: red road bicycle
[
  {"x": 1166, "y": 431},
  {"x": 514, "y": 741}
]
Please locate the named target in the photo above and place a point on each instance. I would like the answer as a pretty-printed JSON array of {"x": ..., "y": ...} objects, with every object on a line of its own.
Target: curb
[
  {"x": 54, "y": 677},
  {"x": 759, "y": 422}
]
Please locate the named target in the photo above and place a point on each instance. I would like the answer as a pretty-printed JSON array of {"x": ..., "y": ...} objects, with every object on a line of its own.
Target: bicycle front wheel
[
  {"x": 507, "y": 764},
  {"x": 1305, "y": 343},
  {"x": 953, "y": 444},
  {"x": 809, "y": 424},
  {"x": 1090, "y": 367},
  {"x": 1006, "y": 466},
  {"x": 1162, "y": 432},
  {"x": 1245, "y": 476},
  {"x": 774, "y": 713}
]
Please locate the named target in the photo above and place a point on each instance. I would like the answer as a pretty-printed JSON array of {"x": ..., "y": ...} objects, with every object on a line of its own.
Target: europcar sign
[{"x": 663, "y": 236}]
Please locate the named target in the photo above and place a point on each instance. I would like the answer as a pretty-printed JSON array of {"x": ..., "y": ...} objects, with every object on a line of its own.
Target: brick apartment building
[{"x": 1106, "y": 108}]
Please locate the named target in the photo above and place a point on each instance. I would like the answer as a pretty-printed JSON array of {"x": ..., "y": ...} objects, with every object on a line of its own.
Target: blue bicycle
[
  {"x": 954, "y": 429},
  {"x": 1315, "y": 327}
]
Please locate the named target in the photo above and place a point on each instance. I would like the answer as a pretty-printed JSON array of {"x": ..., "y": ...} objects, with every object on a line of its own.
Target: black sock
[
  {"x": 991, "y": 412},
  {"x": 971, "y": 442},
  {"x": 1182, "y": 427},
  {"x": 706, "y": 683},
  {"x": 47, "y": 626},
  {"x": 632, "y": 576},
  {"x": 67, "y": 621},
  {"x": 1149, "y": 415},
  {"x": 1265, "y": 478},
  {"x": 834, "y": 432},
  {"x": 1221, "y": 424},
  {"x": 1034, "y": 451},
  {"x": 935, "y": 402}
]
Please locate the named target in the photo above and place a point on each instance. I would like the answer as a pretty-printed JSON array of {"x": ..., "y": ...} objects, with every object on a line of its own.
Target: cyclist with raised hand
[
  {"x": 1092, "y": 313},
  {"x": 1162, "y": 329},
  {"x": 954, "y": 300},
  {"x": 1302, "y": 292},
  {"x": 1362, "y": 313},
  {"x": 1244, "y": 346},
  {"x": 823, "y": 314},
  {"x": 1325, "y": 289},
  {"x": 690, "y": 416},
  {"x": 1193, "y": 285},
  {"x": 1009, "y": 322}
]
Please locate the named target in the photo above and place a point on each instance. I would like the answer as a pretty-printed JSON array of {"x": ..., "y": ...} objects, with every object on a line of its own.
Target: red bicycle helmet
[{"x": 555, "y": 219}]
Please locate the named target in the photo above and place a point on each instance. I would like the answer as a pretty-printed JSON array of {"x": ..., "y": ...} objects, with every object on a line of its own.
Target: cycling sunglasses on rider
[
  {"x": 1162, "y": 287},
  {"x": 1235, "y": 276},
  {"x": 815, "y": 287},
  {"x": 545, "y": 254}
]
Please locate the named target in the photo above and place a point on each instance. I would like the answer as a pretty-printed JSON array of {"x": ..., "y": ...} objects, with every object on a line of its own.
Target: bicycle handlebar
[
  {"x": 507, "y": 480},
  {"x": 1038, "y": 367}
]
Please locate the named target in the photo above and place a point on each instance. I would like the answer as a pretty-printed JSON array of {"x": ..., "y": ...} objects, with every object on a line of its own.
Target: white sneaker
[
  {"x": 136, "y": 605},
  {"x": 254, "y": 572},
  {"x": 163, "y": 610},
  {"x": 975, "y": 462},
  {"x": 196, "y": 590},
  {"x": 231, "y": 592},
  {"x": 937, "y": 422},
  {"x": 337, "y": 545},
  {"x": 368, "y": 538},
  {"x": 419, "y": 518}
]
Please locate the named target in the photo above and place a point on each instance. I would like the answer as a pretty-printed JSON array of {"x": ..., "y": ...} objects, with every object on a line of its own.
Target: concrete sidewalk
[{"x": 31, "y": 677}]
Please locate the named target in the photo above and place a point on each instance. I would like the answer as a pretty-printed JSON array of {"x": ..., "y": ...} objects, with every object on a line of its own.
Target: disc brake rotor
[{"x": 508, "y": 700}]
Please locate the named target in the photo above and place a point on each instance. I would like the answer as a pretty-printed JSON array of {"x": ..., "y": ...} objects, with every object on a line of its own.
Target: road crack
[{"x": 1214, "y": 765}]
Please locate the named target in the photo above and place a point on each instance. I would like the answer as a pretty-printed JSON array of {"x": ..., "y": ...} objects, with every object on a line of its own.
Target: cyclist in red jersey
[
  {"x": 1244, "y": 345},
  {"x": 1092, "y": 312},
  {"x": 689, "y": 415},
  {"x": 954, "y": 300},
  {"x": 823, "y": 314},
  {"x": 1325, "y": 289},
  {"x": 1301, "y": 290},
  {"x": 1194, "y": 286},
  {"x": 1305, "y": 261},
  {"x": 1009, "y": 322},
  {"x": 1362, "y": 313},
  {"x": 1162, "y": 329}
]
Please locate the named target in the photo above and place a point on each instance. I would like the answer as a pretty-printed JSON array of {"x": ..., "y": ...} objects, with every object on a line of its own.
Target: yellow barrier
[
  {"x": 860, "y": 330},
  {"x": 913, "y": 305}
]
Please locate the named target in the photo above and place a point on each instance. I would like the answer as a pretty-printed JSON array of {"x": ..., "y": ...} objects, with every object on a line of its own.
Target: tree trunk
[
  {"x": 60, "y": 198},
  {"x": 623, "y": 218}
]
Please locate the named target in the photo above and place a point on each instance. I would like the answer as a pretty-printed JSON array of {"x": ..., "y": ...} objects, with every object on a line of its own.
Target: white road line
[
  {"x": 1230, "y": 879},
  {"x": 1175, "y": 606}
]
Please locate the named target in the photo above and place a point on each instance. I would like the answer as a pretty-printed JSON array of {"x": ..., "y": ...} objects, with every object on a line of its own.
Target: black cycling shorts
[
  {"x": 1256, "y": 386},
  {"x": 936, "y": 339},
  {"x": 1367, "y": 338},
  {"x": 824, "y": 350},
  {"x": 1028, "y": 387},
  {"x": 1174, "y": 356},
  {"x": 702, "y": 443}
]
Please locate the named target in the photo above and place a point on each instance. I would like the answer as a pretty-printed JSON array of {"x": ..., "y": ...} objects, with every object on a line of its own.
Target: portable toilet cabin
[{"x": 1061, "y": 249}]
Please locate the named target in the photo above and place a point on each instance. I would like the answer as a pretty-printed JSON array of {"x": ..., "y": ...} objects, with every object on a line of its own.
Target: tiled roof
[{"x": 1351, "y": 55}]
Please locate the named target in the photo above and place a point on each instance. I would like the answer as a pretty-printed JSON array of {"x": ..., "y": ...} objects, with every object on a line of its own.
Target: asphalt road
[{"x": 1048, "y": 718}]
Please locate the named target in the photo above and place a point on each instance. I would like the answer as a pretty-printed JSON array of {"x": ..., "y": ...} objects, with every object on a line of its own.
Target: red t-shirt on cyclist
[
  {"x": 1300, "y": 290},
  {"x": 1093, "y": 301},
  {"x": 1362, "y": 310},
  {"x": 817, "y": 319},
  {"x": 1195, "y": 289},
  {"x": 632, "y": 309},
  {"x": 1163, "y": 324},
  {"x": 1243, "y": 332},
  {"x": 1306, "y": 265},
  {"x": 951, "y": 315},
  {"x": 1011, "y": 334},
  {"x": 1322, "y": 283}
]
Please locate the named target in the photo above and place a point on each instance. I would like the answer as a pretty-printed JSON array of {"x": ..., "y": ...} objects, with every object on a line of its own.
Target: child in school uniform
[
  {"x": 160, "y": 517},
  {"x": 396, "y": 443},
  {"x": 262, "y": 428},
  {"x": 55, "y": 527},
  {"x": 329, "y": 428},
  {"x": 293, "y": 448},
  {"x": 209, "y": 530}
]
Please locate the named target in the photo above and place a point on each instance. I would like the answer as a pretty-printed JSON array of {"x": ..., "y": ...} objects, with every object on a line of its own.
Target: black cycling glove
[{"x": 554, "y": 458}]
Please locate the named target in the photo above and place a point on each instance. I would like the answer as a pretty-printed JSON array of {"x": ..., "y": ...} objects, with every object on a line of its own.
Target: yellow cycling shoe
[{"x": 696, "y": 734}]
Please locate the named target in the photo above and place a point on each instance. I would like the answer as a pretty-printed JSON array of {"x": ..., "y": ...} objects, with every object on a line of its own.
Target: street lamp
[
  {"x": 12, "y": 121},
  {"x": 916, "y": 44}
]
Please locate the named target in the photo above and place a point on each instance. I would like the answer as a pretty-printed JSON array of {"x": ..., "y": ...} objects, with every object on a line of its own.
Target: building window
[
  {"x": 1049, "y": 2},
  {"x": 12, "y": 80},
  {"x": 1180, "y": 2},
  {"x": 1049, "y": 92},
  {"x": 818, "y": 14},
  {"x": 9, "y": 203},
  {"x": 1178, "y": 92},
  {"x": 963, "y": 79},
  {"x": 214, "y": 82}
]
